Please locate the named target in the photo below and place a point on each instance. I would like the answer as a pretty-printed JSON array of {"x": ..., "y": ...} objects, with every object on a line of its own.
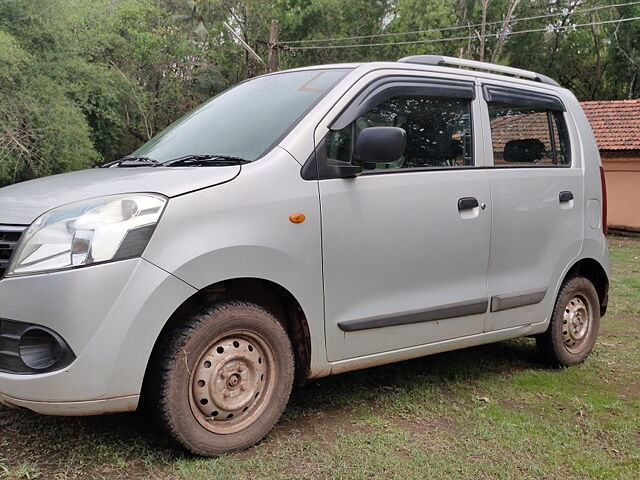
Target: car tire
[
  {"x": 224, "y": 379},
  {"x": 574, "y": 324}
]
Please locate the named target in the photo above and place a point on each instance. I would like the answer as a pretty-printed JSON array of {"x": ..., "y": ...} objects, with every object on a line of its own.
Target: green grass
[{"x": 488, "y": 412}]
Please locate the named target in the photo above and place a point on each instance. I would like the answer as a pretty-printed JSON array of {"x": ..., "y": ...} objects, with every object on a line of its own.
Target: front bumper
[
  {"x": 74, "y": 409},
  {"x": 110, "y": 315}
]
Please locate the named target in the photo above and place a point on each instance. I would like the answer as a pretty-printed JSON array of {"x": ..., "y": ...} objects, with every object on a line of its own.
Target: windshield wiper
[
  {"x": 203, "y": 160},
  {"x": 129, "y": 162}
]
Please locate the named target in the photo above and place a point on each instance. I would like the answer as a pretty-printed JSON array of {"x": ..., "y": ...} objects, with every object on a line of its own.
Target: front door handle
[
  {"x": 467, "y": 203},
  {"x": 566, "y": 196}
]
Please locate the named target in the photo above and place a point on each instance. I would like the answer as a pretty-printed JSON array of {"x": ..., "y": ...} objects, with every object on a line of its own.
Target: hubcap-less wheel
[
  {"x": 224, "y": 377},
  {"x": 575, "y": 324},
  {"x": 232, "y": 382}
]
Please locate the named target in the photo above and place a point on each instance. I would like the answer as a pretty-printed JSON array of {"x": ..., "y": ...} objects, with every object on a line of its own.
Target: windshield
[{"x": 244, "y": 121}]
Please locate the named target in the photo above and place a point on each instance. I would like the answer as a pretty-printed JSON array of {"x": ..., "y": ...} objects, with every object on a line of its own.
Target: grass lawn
[{"x": 487, "y": 412}]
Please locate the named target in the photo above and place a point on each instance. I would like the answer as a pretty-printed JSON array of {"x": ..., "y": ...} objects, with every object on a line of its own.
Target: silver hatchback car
[{"x": 303, "y": 224}]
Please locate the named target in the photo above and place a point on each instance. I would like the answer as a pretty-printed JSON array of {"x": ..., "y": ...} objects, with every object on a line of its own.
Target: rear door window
[{"x": 527, "y": 131}]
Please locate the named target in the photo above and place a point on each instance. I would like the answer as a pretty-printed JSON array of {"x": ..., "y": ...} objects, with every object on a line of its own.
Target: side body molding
[
  {"x": 514, "y": 300},
  {"x": 442, "y": 312}
]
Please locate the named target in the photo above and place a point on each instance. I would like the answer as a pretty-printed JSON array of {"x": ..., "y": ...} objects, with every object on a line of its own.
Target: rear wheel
[
  {"x": 225, "y": 378},
  {"x": 574, "y": 325}
]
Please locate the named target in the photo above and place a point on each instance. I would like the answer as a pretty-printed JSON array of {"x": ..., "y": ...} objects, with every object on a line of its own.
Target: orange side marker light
[{"x": 297, "y": 218}]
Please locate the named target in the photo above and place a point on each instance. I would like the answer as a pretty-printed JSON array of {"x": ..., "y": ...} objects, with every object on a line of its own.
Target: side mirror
[{"x": 379, "y": 145}]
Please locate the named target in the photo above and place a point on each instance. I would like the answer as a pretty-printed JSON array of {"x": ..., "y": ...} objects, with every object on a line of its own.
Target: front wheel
[
  {"x": 574, "y": 324},
  {"x": 225, "y": 378}
]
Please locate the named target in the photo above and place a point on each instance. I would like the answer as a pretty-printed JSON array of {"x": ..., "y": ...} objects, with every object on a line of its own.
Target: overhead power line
[
  {"x": 467, "y": 37},
  {"x": 459, "y": 27}
]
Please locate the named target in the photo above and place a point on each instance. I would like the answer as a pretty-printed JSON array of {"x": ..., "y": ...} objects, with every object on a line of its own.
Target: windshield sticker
[{"x": 305, "y": 87}]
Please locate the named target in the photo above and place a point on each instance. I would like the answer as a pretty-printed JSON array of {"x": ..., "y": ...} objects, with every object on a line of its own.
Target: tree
[
  {"x": 83, "y": 82},
  {"x": 86, "y": 81}
]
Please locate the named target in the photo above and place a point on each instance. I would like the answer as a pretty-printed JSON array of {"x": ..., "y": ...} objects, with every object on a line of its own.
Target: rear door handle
[
  {"x": 566, "y": 196},
  {"x": 467, "y": 203}
]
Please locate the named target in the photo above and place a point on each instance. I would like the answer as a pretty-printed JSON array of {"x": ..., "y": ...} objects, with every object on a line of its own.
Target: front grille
[{"x": 9, "y": 238}]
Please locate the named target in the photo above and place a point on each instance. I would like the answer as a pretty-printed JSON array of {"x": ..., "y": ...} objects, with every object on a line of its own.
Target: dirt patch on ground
[
  {"x": 428, "y": 434},
  {"x": 420, "y": 426},
  {"x": 632, "y": 391},
  {"x": 113, "y": 446},
  {"x": 325, "y": 426}
]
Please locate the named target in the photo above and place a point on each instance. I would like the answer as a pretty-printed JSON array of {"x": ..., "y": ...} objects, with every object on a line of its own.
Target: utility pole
[{"x": 272, "y": 59}]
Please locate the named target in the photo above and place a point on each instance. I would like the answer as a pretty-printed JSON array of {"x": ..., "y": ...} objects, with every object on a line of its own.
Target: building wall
[{"x": 622, "y": 173}]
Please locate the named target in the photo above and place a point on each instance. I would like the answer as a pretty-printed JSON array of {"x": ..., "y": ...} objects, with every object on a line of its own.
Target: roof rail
[{"x": 489, "y": 67}]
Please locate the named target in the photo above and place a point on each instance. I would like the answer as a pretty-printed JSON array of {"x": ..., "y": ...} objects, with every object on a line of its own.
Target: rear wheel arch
[{"x": 592, "y": 270}]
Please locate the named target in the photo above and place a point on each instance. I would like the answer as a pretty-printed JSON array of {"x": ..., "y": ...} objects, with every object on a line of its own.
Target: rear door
[
  {"x": 404, "y": 259},
  {"x": 537, "y": 201}
]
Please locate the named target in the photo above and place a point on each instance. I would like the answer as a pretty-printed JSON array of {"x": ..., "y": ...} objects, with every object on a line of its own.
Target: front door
[{"x": 406, "y": 246}]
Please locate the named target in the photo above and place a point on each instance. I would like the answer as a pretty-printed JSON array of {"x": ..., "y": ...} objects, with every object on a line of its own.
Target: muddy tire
[
  {"x": 224, "y": 378},
  {"x": 574, "y": 324}
]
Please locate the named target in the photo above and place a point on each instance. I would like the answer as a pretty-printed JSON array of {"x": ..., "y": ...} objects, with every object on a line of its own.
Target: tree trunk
[
  {"x": 483, "y": 28},
  {"x": 503, "y": 32}
]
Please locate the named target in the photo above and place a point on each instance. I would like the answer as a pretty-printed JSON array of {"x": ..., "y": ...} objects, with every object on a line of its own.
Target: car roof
[{"x": 480, "y": 70}]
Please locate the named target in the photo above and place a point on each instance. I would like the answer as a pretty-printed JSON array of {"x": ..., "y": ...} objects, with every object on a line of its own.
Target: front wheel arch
[
  {"x": 267, "y": 294},
  {"x": 223, "y": 379}
]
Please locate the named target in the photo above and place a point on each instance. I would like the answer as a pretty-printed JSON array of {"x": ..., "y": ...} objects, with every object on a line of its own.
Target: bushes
[{"x": 83, "y": 82}]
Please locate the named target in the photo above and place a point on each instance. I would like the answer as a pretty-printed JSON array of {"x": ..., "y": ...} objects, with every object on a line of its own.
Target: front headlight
[{"x": 87, "y": 232}]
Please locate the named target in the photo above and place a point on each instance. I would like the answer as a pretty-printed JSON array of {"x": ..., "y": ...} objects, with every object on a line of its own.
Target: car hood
[{"x": 22, "y": 203}]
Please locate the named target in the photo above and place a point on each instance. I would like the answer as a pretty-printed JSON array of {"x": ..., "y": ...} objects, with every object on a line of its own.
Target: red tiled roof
[
  {"x": 615, "y": 123},
  {"x": 513, "y": 127}
]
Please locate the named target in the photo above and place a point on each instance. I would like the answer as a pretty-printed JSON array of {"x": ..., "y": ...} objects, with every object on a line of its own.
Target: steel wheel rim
[
  {"x": 233, "y": 381},
  {"x": 576, "y": 324}
]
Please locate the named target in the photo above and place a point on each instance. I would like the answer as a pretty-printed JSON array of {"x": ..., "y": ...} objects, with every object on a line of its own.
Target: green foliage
[
  {"x": 87, "y": 81},
  {"x": 41, "y": 130},
  {"x": 83, "y": 82},
  {"x": 598, "y": 62}
]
